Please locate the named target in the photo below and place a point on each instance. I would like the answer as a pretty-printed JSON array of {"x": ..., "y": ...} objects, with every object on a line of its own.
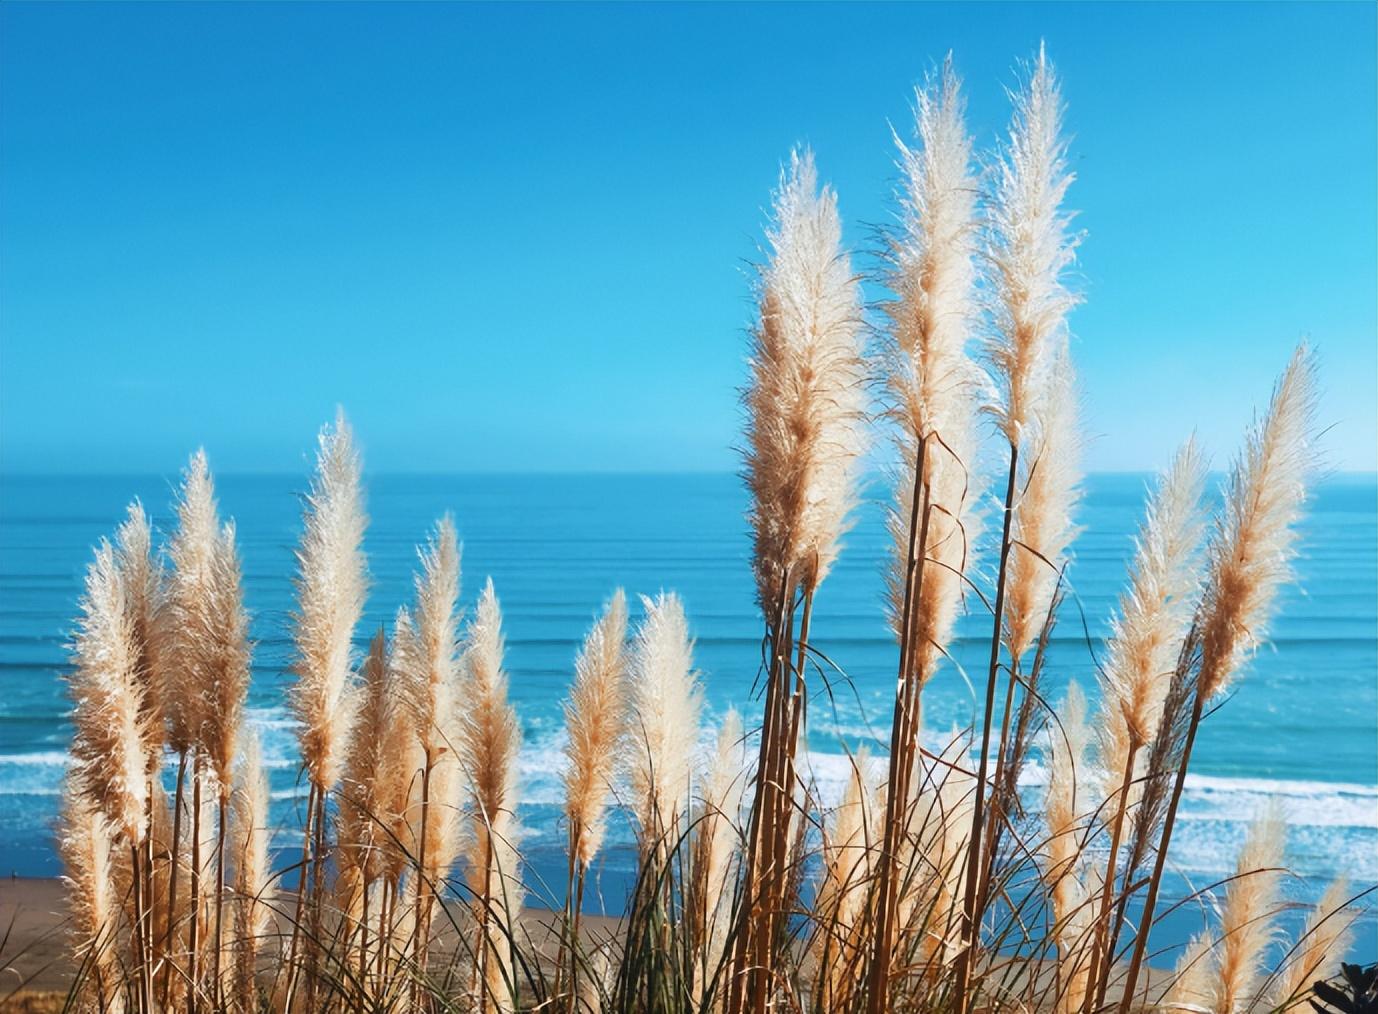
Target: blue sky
[{"x": 516, "y": 238}]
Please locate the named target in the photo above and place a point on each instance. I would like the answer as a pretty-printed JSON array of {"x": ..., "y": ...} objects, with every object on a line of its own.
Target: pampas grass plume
[
  {"x": 1043, "y": 528},
  {"x": 492, "y": 741},
  {"x": 330, "y": 583},
  {"x": 931, "y": 383},
  {"x": 1154, "y": 614},
  {"x": 595, "y": 720},
  {"x": 666, "y": 701},
  {"x": 1246, "y": 918},
  {"x": 1254, "y": 541},
  {"x": 806, "y": 399},
  {"x": 111, "y": 743},
  {"x": 1030, "y": 250}
]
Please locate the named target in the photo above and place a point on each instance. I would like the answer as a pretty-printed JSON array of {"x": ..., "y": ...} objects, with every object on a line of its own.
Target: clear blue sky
[{"x": 514, "y": 237}]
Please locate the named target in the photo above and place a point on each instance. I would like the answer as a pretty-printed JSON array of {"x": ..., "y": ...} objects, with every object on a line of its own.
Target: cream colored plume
[
  {"x": 1246, "y": 918},
  {"x": 253, "y": 876},
  {"x": 1192, "y": 986},
  {"x": 1066, "y": 809},
  {"x": 1252, "y": 547},
  {"x": 806, "y": 398},
  {"x": 1066, "y": 802},
  {"x": 397, "y": 780},
  {"x": 331, "y": 582},
  {"x": 426, "y": 649},
  {"x": 84, "y": 846},
  {"x": 1043, "y": 527},
  {"x": 191, "y": 605},
  {"x": 365, "y": 821},
  {"x": 142, "y": 574},
  {"x": 111, "y": 742},
  {"x": 1030, "y": 251},
  {"x": 1323, "y": 942},
  {"x": 492, "y": 741},
  {"x": 595, "y": 718},
  {"x": 716, "y": 838},
  {"x": 666, "y": 701},
  {"x": 851, "y": 845},
  {"x": 932, "y": 385},
  {"x": 1154, "y": 614},
  {"x": 224, "y": 661}
]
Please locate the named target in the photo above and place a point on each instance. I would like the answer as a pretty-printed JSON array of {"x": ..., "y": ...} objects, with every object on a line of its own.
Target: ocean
[{"x": 1301, "y": 724}]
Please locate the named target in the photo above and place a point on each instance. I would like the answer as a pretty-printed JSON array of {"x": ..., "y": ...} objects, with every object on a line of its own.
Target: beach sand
[
  {"x": 36, "y": 968},
  {"x": 35, "y": 964}
]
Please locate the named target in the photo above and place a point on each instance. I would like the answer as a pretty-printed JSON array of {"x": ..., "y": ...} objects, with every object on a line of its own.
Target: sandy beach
[{"x": 35, "y": 965}]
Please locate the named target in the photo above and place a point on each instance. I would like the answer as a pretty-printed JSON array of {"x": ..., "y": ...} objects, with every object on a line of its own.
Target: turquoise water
[{"x": 1302, "y": 724}]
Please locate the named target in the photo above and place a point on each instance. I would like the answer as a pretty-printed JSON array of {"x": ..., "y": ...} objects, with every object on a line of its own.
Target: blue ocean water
[{"x": 1302, "y": 723}]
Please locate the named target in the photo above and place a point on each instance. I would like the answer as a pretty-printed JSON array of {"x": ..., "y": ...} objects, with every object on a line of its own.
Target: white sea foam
[{"x": 1332, "y": 826}]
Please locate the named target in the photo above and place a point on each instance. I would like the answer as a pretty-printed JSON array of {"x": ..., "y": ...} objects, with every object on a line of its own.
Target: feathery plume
[
  {"x": 666, "y": 701},
  {"x": 1065, "y": 809},
  {"x": 850, "y": 841},
  {"x": 716, "y": 837},
  {"x": 1323, "y": 941},
  {"x": 1030, "y": 250},
  {"x": 1043, "y": 527},
  {"x": 426, "y": 647},
  {"x": 88, "y": 872},
  {"x": 190, "y": 604},
  {"x": 253, "y": 877},
  {"x": 1253, "y": 544},
  {"x": 1246, "y": 918},
  {"x": 1155, "y": 611},
  {"x": 492, "y": 740},
  {"x": 1192, "y": 987},
  {"x": 110, "y": 747},
  {"x": 330, "y": 596},
  {"x": 595, "y": 720},
  {"x": 805, "y": 399},
  {"x": 224, "y": 656},
  {"x": 142, "y": 574},
  {"x": 401, "y": 756},
  {"x": 1065, "y": 804},
  {"x": 931, "y": 383},
  {"x": 364, "y": 823}
]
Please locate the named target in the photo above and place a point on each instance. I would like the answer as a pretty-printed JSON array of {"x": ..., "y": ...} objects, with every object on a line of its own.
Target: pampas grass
[
  {"x": 1029, "y": 250},
  {"x": 933, "y": 885},
  {"x": 805, "y": 405},
  {"x": 665, "y": 705},
  {"x": 931, "y": 395},
  {"x": 491, "y": 740},
  {"x": 1248, "y": 558},
  {"x": 595, "y": 721},
  {"x": 330, "y": 596},
  {"x": 716, "y": 844},
  {"x": 1321, "y": 944},
  {"x": 805, "y": 401},
  {"x": 111, "y": 742},
  {"x": 84, "y": 845},
  {"x": 254, "y": 884}
]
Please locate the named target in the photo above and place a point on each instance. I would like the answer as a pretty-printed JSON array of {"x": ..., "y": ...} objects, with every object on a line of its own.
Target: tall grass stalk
[
  {"x": 1029, "y": 252},
  {"x": 805, "y": 404},
  {"x": 1249, "y": 559}
]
